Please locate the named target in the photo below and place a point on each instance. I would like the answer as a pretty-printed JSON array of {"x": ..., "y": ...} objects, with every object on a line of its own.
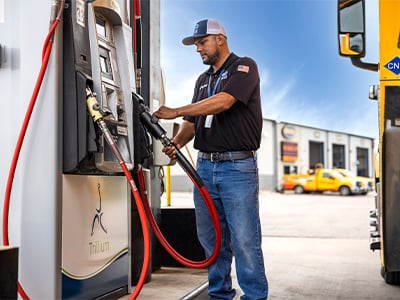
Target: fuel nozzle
[
  {"x": 151, "y": 122},
  {"x": 152, "y": 125}
]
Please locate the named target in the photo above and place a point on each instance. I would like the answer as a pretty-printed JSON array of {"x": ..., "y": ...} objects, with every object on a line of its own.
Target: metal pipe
[{"x": 196, "y": 292}]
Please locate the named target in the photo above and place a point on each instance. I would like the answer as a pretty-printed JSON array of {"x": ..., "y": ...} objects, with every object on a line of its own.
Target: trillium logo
[{"x": 98, "y": 215}]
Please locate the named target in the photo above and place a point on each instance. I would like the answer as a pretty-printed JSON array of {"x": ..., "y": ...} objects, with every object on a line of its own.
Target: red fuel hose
[
  {"x": 93, "y": 106},
  {"x": 45, "y": 59},
  {"x": 146, "y": 233},
  {"x": 145, "y": 227}
]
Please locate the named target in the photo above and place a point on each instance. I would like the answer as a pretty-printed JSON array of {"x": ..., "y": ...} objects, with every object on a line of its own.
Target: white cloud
[
  {"x": 274, "y": 97},
  {"x": 180, "y": 93}
]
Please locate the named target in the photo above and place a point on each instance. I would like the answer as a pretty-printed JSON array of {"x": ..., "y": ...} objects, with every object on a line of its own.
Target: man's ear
[{"x": 220, "y": 39}]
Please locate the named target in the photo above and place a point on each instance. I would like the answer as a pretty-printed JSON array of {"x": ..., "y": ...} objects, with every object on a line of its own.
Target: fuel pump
[
  {"x": 98, "y": 69},
  {"x": 98, "y": 99}
]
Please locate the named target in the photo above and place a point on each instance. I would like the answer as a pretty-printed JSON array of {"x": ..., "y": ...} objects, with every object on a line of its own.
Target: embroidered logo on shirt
[
  {"x": 203, "y": 86},
  {"x": 243, "y": 68},
  {"x": 224, "y": 75}
]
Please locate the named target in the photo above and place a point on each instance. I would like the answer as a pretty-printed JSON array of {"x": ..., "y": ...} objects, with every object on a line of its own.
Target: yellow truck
[
  {"x": 385, "y": 217},
  {"x": 322, "y": 180},
  {"x": 367, "y": 184}
]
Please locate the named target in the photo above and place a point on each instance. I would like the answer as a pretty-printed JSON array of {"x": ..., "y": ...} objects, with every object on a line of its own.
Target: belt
[{"x": 224, "y": 156}]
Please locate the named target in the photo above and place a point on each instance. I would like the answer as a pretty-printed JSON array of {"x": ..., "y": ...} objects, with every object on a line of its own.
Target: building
[{"x": 292, "y": 148}]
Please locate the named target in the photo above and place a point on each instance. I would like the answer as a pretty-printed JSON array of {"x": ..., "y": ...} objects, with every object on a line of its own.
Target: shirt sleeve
[{"x": 243, "y": 80}]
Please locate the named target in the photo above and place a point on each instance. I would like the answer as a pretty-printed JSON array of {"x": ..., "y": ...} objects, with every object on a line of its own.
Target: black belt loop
[{"x": 225, "y": 156}]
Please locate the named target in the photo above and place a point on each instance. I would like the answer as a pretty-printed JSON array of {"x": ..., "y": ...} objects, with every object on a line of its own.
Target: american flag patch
[{"x": 243, "y": 68}]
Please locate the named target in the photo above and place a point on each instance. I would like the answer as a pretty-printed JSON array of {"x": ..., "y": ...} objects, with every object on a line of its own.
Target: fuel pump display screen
[
  {"x": 105, "y": 63},
  {"x": 100, "y": 26}
]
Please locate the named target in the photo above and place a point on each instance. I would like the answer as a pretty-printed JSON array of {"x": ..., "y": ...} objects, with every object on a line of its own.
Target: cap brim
[{"x": 187, "y": 41}]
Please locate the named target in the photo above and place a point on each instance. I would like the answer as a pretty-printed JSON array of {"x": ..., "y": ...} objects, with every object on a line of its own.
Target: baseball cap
[{"x": 203, "y": 28}]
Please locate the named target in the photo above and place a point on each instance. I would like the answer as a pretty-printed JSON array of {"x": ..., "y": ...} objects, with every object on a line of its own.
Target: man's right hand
[
  {"x": 170, "y": 150},
  {"x": 184, "y": 135}
]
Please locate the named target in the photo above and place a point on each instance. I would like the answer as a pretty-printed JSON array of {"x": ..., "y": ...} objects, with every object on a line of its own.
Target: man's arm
[
  {"x": 209, "y": 106},
  {"x": 185, "y": 134}
]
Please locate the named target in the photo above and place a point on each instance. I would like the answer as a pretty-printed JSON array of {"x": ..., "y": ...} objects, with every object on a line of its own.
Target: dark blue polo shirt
[{"x": 238, "y": 128}]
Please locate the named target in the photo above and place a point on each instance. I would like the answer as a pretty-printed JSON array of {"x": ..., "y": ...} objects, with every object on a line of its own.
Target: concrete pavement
[{"x": 315, "y": 247}]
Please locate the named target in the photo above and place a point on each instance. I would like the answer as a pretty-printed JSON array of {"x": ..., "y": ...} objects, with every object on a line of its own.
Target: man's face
[{"x": 208, "y": 49}]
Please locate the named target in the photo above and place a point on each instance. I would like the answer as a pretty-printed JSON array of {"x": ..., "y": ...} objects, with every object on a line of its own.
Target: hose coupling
[
  {"x": 93, "y": 107},
  {"x": 166, "y": 141}
]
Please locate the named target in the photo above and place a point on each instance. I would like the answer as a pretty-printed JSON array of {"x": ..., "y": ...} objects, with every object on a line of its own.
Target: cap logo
[{"x": 196, "y": 28}]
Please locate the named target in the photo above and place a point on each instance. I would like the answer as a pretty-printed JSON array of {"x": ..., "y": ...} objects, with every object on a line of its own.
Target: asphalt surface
[{"x": 315, "y": 247}]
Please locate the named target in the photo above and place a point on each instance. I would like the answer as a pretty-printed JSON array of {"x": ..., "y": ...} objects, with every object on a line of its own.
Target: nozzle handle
[
  {"x": 154, "y": 119},
  {"x": 152, "y": 125}
]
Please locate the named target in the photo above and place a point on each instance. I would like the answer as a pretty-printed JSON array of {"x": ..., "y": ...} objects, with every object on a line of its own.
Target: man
[{"x": 226, "y": 120}]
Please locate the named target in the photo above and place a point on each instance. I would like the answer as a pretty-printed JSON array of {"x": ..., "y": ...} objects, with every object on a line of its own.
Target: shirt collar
[{"x": 231, "y": 58}]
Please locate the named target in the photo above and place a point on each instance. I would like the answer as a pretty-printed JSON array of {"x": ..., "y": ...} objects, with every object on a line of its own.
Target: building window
[
  {"x": 316, "y": 153},
  {"x": 338, "y": 156},
  {"x": 362, "y": 162}
]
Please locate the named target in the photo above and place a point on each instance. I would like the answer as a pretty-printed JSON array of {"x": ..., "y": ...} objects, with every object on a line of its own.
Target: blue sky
[{"x": 294, "y": 42}]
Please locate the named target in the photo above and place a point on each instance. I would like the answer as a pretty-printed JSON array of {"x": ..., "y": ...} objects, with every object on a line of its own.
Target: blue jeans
[{"x": 233, "y": 186}]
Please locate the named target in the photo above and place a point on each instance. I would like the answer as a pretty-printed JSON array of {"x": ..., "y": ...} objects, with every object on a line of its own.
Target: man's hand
[
  {"x": 165, "y": 112},
  {"x": 170, "y": 151}
]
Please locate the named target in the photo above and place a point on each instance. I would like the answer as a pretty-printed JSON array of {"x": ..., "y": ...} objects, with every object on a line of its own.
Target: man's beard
[{"x": 212, "y": 59}]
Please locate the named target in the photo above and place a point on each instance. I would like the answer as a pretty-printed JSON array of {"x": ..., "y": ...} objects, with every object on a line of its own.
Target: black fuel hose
[{"x": 156, "y": 130}]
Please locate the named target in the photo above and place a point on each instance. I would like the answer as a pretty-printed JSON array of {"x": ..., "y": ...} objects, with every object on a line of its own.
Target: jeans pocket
[{"x": 248, "y": 165}]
